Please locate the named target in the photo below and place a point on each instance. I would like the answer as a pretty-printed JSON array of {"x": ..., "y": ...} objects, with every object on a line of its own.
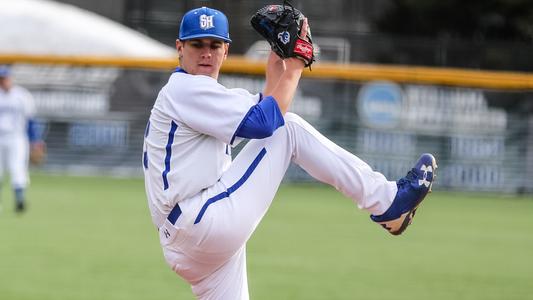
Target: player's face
[
  {"x": 202, "y": 56},
  {"x": 5, "y": 83}
]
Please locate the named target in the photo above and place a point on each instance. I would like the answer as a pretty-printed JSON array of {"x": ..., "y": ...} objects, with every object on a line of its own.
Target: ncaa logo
[
  {"x": 206, "y": 22},
  {"x": 284, "y": 37}
]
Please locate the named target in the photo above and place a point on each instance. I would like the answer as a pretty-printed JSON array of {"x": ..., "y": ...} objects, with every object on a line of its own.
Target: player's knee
[{"x": 292, "y": 118}]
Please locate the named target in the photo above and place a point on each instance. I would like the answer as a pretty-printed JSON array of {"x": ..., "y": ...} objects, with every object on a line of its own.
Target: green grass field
[{"x": 91, "y": 238}]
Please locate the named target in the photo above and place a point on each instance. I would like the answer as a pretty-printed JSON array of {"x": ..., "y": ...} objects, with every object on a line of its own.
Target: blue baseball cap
[
  {"x": 5, "y": 71},
  {"x": 204, "y": 22}
]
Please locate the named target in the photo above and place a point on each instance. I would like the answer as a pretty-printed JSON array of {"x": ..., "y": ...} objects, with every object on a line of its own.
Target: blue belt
[{"x": 174, "y": 214}]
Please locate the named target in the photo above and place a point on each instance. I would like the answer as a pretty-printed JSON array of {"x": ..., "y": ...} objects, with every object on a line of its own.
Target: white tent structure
[{"x": 43, "y": 27}]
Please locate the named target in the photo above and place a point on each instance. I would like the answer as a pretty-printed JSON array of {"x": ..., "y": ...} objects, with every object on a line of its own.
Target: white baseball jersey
[
  {"x": 191, "y": 126},
  {"x": 205, "y": 206},
  {"x": 16, "y": 108}
]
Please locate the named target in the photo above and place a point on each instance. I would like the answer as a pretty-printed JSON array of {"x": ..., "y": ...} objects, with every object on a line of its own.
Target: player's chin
[{"x": 207, "y": 70}]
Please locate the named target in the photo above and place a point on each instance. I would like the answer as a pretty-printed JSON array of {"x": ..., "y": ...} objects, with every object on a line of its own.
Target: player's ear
[
  {"x": 179, "y": 48},
  {"x": 226, "y": 50}
]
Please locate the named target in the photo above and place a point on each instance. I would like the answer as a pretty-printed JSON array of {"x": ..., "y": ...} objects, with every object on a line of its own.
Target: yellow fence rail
[{"x": 351, "y": 72}]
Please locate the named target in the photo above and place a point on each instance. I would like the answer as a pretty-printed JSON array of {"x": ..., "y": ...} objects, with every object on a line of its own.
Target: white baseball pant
[
  {"x": 206, "y": 245},
  {"x": 14, "y": 153}
]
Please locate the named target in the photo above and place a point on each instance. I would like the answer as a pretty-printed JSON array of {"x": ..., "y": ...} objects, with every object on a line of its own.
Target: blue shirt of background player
[{"x": 261, "y": 120}]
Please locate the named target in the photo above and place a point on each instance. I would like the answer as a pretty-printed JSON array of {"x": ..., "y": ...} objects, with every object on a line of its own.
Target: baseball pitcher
[{"x": 206, "y": 206}]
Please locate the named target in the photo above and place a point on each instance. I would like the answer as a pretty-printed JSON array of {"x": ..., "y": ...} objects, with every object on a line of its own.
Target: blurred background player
[{"x": 17, "y": 135}]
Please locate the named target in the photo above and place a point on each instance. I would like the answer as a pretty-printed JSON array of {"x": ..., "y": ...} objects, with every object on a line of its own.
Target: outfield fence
[{"x": 92, "y": 113}]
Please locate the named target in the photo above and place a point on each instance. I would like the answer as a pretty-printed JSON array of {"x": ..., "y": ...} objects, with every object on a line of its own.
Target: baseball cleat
[
  {"x": 20, "y": 207},
  {"x": 412, "y": 189}
]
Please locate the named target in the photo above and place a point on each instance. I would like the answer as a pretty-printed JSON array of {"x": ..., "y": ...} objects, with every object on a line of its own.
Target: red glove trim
[{"x": 304, "y": 49}]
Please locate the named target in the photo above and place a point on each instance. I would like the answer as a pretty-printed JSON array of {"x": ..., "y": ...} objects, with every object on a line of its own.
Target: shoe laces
[{"x": 409, "y": 178}]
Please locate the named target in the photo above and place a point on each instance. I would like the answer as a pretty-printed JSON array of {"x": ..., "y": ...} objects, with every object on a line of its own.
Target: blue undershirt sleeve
[
  {"x": 261, "y": 120},
  {"x": 32, "y": 132}
]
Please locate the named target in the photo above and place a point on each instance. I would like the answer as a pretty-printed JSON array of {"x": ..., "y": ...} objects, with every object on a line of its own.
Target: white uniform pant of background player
[
  {"x": 210, "y": 254},
  {"x": 14, "y": 151}
]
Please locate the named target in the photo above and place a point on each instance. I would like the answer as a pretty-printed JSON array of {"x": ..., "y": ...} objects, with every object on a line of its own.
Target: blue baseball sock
[{"x": 19, "y": 195}]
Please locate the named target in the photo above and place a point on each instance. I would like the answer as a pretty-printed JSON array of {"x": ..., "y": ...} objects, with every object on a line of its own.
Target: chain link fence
[{"x": 93, "y": 119}]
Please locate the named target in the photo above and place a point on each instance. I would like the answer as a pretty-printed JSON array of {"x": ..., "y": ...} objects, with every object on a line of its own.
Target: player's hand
[
  {"x": 37, "y": 153},
  {"x": 287, "y": 31},
  {"x": 303, "y": 35},
  {"x": 304, "y": 30}
]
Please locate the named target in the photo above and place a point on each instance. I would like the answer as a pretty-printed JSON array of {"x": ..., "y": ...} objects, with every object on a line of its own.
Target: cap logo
[{"x": 206, "y": 22}]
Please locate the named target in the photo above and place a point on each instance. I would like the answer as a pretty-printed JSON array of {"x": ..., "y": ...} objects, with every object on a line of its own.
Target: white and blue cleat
[{"x": 412, "y": 189}]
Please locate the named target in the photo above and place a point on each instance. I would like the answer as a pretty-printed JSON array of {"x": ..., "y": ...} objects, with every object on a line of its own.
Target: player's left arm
[
  {"x": 261, "y": 120},
  {"x": 37, "y": 145},
  {"x": 285, "y": 89},
  {"x": 282, "y": 78}
]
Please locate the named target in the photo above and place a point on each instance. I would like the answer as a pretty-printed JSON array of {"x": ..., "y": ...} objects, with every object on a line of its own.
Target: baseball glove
[
  {"x": 280, "y": 25},
  {"x": 37, "y": 153}
]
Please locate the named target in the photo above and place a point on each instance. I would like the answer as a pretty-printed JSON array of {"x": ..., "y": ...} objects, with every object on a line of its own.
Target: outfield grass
[{"x": 91, "y": 238}]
